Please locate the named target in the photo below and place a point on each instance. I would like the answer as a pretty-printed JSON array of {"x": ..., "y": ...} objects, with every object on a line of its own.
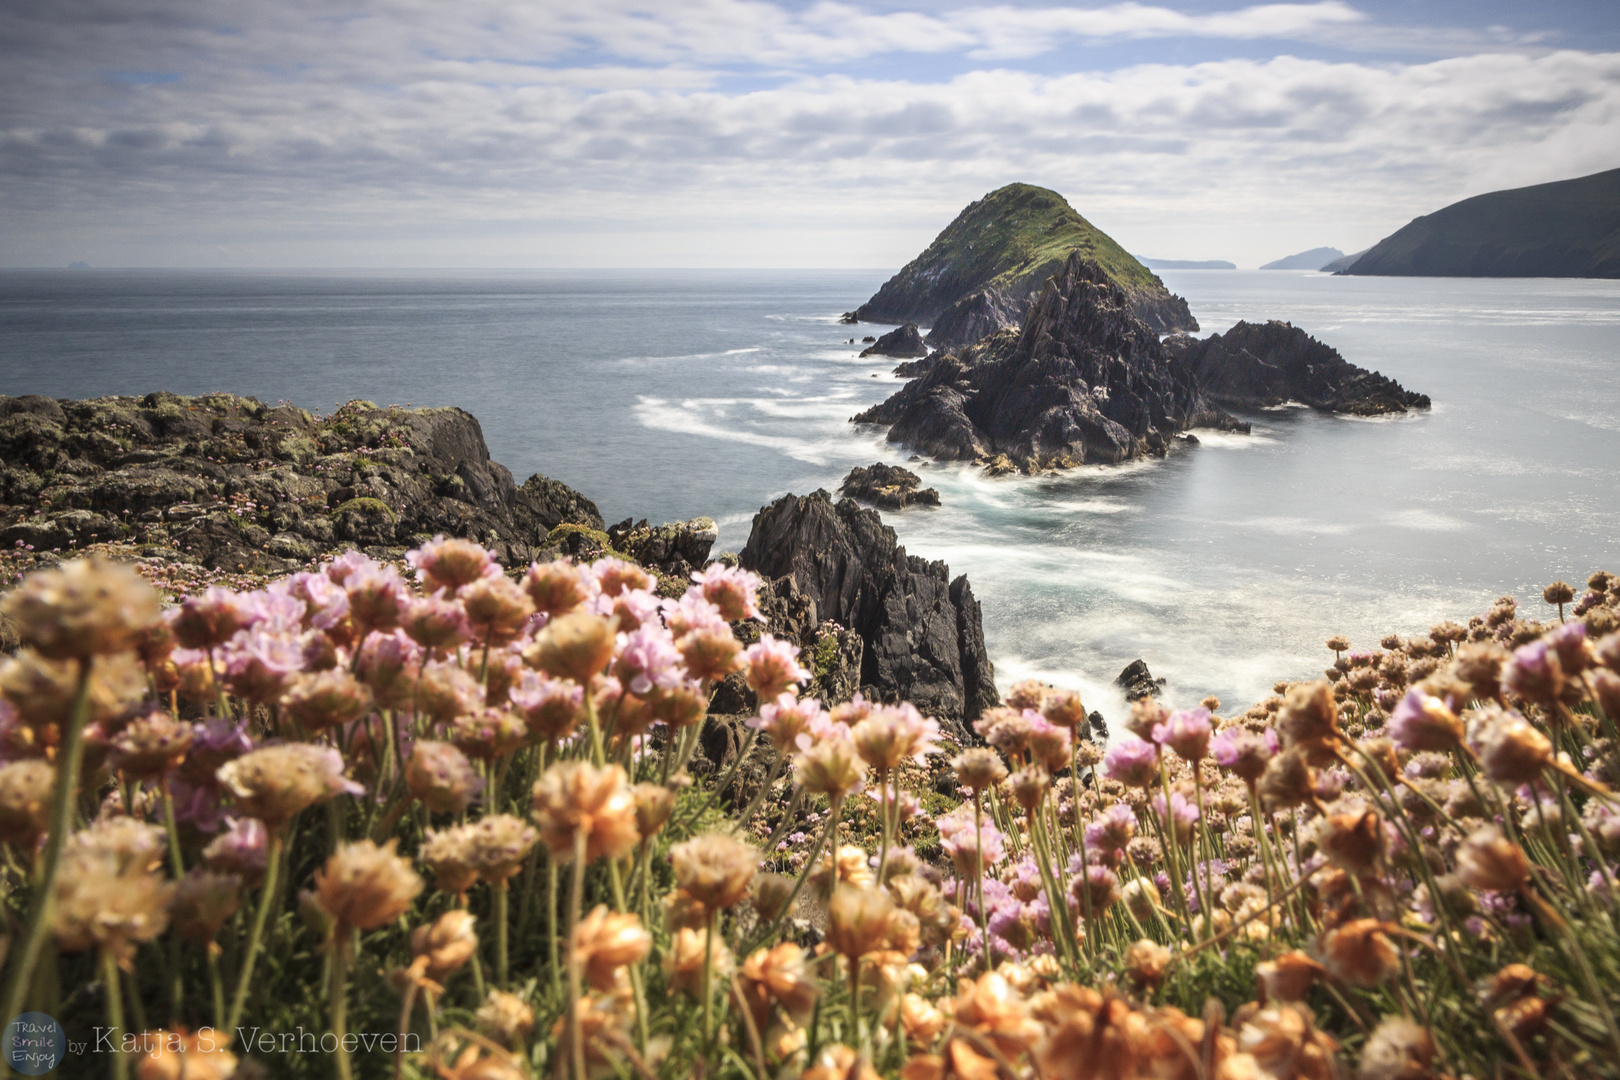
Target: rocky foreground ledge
[{"x": 226, "y": 488}]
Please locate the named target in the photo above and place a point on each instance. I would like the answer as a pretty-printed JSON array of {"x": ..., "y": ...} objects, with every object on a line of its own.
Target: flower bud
[
  {"x": 1489, "y": 860},
  {"x": 447, "y": 943},
  {"x": 364, "y": 886}
]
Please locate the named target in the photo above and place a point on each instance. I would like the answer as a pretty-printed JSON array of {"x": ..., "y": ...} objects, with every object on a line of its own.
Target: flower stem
[
  {"x": 576, "y": 900},
  {"x": 978, "y": 878},
  {"x": 115, "y": 1012},
  {"x": 500, "y": 933},
  {"x": 64, "y": 796},
  {"x": 267, "y": 897},
  {"x": 340, "y": 999}
]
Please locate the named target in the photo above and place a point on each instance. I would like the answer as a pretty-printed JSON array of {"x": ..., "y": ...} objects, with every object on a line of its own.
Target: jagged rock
[
  {"x": 905, "y": 341},
  {"x": 887, "y": 486},
  {"x": 675, "y": 548},
  {"x": 868, "y": 337},
  {"x": 229, "y": 482},
  {"x": 913, "y": 368},
  {"x": 1137, "y": 682},
  {"x": 975, "y": 316},
  {"x": 1269, "y": 363},
  {"x": 849, "y": 318},
  {"x": 921, "y": 632},
  {"x": 1082, "y": 381}
]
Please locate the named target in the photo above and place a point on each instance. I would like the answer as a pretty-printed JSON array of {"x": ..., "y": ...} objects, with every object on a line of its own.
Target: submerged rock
[
  {"x": 904, "y": 342},
  {"x": 921, "y": 631},
  {"x": 888, "y": 486},
  {"x": 1082, "y": 381},
  {"x": 1138, "y": 682},
  {"x": 1257, "y": 364}
]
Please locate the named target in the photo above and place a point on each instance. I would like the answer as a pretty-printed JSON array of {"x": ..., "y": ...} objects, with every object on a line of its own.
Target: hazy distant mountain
[
  {"x": 1569, "y": 228},
  {"x": 1343, "y": 262},
  {"x": 1187, "y": 264},
  {"x": 1314, "y": 259},
  {"x": 78, "y": 264}
]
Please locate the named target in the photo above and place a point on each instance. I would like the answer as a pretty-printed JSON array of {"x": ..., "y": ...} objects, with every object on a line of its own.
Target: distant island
[
  {"x": 1569, "y": 228},
  {"x": 983, "y": 272},
  {"x": 1343, "y": 262},
  {"x": 1186, "y": 264},
  {"x": 1314, "y": 259}
]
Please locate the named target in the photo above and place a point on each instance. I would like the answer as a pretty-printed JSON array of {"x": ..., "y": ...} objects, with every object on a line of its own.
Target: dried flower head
[
  {"x": 1489, "y": 860},
  {"x": 1309, "y": 719},
  {"x": 497, "y": 845},
  {"x": 445, "y": 944},
  {"x": 1510, "y": 749},
  {"x": 574, "y": 646},
  {"x": 326, "y": 699},
  {"x": 364, "y": 886},
  {"x": 83, "y": 608},
  {"x": 1397, "y": 1050},
  {"x": 1288, "y": 977},
  {"x": 441, "y": 777},
  {"x": 184, "y": 1055},
  {"x": 204, "y": 901},
  {"x": 276, "y": 782},
  {"x": 779, "y": 976},
  {"x": 858, "y": 920},
  {"x": 1146, "y": 962},
  {"x": 450, "y": 564},
  {"x": 449, "y": 854},
  {"x": 830, "y": 767},
  {"x": 106, "y": 895},
  {"x": 715, "y": 869},
  {"x": 654, "y": 804},
  {"x": 1360, "y": 952},
  {"x": 683, "y": 962},
  {"x": 979, "y": 768},
  {"x": 576, "y": 801},
  {"x": 607, "y": 942},
  {"x": 25, "y": 801},
  {"x": 505, "y": 1017},
  {"x": 150, "y": 746}
]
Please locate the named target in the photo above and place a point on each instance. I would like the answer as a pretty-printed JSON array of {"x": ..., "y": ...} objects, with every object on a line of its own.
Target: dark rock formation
[
  {"x": 905, "y": 341},
  {"x": 1569, "y": 228},
  {"x": 676, "y": 548},
  {"x": 228, "y": 482},
  {"x": 1083, "y": 381},
  {"x": 888, "y": 486},
  {"x": 982, "y": 273},
  {"x": 1137, "y": 682},
  {"x": 1270, "y": 363},
  {"x": 922, "y": 634}
]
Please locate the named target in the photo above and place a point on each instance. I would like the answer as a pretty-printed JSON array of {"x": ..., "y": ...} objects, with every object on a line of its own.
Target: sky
[{"x": 752, "y": 133}]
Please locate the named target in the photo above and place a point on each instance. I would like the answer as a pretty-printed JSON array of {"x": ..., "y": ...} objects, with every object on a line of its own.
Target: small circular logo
[{"x": 33, "y": 1044}]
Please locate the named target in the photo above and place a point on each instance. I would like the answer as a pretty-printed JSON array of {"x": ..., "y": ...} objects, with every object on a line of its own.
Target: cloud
[{"x": 414, "y": 119}]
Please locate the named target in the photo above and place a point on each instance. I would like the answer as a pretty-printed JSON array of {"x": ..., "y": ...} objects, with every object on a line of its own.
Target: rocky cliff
[
  {"x": 982, "y": 273},
  {"x": 1082, "y": 381},
  {"x": 1257, "y": 364},
  {"x": 888, "y": 486},
  {"x": 1570, "y": 228},
  {"x": 922, "y": 633},
  {"x": 228, "y": 482},
  {"x": 902, "y": 342}
]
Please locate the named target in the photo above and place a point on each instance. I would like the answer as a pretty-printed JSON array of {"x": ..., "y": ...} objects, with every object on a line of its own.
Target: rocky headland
[
  {"x": 888, "y": 486},
  {"x": 1082, "y": 381},
  {"x": 1263, "y": 364},
  {"x": 982, "y": 273},
  {"x": 1569, "y": 228},
  {"x": 922, "y": 635}
]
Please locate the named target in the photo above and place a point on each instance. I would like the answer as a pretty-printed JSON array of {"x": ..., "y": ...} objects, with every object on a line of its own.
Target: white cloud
[{"x": 437, "y": 133}]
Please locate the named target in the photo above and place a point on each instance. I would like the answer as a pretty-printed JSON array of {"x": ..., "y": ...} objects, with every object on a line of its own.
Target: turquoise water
[{"x": 667, "y": 395}]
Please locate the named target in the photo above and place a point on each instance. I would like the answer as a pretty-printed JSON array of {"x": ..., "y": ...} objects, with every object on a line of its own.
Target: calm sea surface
[{"x": 668, "y": 395}]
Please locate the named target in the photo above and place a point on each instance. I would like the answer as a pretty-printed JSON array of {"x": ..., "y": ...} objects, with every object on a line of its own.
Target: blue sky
[{"x": 747, "y": 132}]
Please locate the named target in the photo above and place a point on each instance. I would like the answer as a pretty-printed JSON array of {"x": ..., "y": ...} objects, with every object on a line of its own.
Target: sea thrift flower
[
  {"x": 1132, "y": 762},
  {"x": 785, "y": 719},
  {"x": 450, "y": 564},
  {"x": 732, "y": 590},
  {"x": 209, "y": 620},
  {"x": 654, "y": 804},
  {"x": 203, "y": 902},
  {"x": 242, "y": 849},
  {"x": 1534, "y": 674},
  {"x": 488, "y": 734},
  {"x": 1243, "y": 752},
  {"x": 710, "y": 652},
  {"x": 277, "y": 782},
  {"x": 497, "y": 846},
  {"x": 445, "y": 944},
  {"x": 1113, "y": 829},
  {"x": 497, "y": 609},
  {"x": 1360, "y": 953},
  {"x": 260, "y": 661},
  {"x": 558, "y": 587},
  {"x": 441, "y": 777},
  {"x": 1049, "y": 744},
  {"x": 25, "y": 801},
  {"x": 150, "y": 746},
  {"x": 575, "y": 646},
  {"x": 1510, "y": 749},
  {"x": 1489, "y": 860},
  {"x": 684, "y": 962},
  {"x": 1182, "y": 816},
  {"x": 436, "y": 622},
  {"x": 1422, "y": 722},
  {"x": 961, "y": 841},
  {"x": 106, "y": 895},
  {"x": 505, "y": 1017},
  {"x": 326, "y": 699},
  {"x": 377, "y": 597},
  {"x": 363, "y": 886},
  {"x": 830, "y": 767},
  {"x": 1098, "y": 885},
  {"x": 1309, "y": 719},
  {"x": 778, "y": 976},
  {"x": 1186, "y": 731},
  {"x": 1397, "y": 1050},
  {"x": 576, "y": 800},
  {"x": 551, "y": 707},
  {"x": 772, "y": 667},
  {"x": 978, "y": 768},
  {"x": 606, "y": 943},
  {"x": 648, "y": 660},
  {"x": 893, "y": 734},
  {"x": 83, "y": 608},
  {"x": 449, "y": 854},
  {"x": 714, "y": 869},
  {"x": 857, "y": 920},
  {"x": 390, "y": 664},
  {"x": 1064, "y": 708}
]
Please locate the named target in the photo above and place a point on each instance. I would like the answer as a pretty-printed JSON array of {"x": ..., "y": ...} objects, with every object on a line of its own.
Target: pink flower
[
  {"x": 377, "y": 597},
  {"x": 1132, "y": 762},
  {"x": 971, "y": 849},
  {"x": 1422, "y": 722},
  {"x": 692, "y": 613},
  {"x": 551, "y": 707},
  {"x": 1112, "y": 830},
  {"x": 1186, "y": 731},
  {"x": 772, "y": 667},
  {"x": 647, "y": 659},
  {"x": 632, "y": 607},
  {"x": 1244, "y": 752},
  {"x": 785, "y": 719},
  {"x": 436, "y": 622},
  {"x": 260, "y": 660},
  {"x": 450, "y": 564},
  {"x": 731, "y": 589},
  {"x": 1182, "y": 816}
]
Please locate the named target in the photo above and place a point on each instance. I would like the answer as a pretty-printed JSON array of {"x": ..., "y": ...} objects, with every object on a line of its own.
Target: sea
[{"x": 669, "y": 395}]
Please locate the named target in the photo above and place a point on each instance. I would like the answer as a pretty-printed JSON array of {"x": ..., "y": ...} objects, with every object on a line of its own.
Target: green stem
[
  {"x": 256, "y": 934},
  {"x": 500, "y": 934},
  {"x": 576, "y": 900},
  {"x": 64, "y": 796},
  {"x": 978, "y": 878},
  {"x": 115, "y": 1012},
  {"x": 340, "y": 999},
  {"x": 216, "y": 985}
]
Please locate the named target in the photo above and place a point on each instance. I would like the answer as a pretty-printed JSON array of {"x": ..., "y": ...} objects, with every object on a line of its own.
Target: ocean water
[{"x": 666, "y": 395}]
